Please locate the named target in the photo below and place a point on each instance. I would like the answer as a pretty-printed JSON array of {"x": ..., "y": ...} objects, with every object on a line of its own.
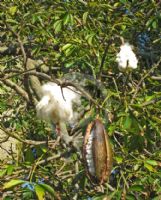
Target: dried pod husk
[{"x": 97, "y": 152}]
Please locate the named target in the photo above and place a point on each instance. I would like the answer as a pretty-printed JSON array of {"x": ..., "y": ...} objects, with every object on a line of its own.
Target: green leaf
[
  {"x": 68, "y": 19},
  {"x": 48, "y": 188},
  {"x": 40, "y": 20},
  {"x": 66, "y": 46},
  {"x": 149, "y": 167},
  {"x": 123, "y": 27},
  {"x": 136, "y": 167},
  {"x": 89, "y": 38},
  {"x": 10, "y": 169},
  {"x": 149, "y": 22},
  {"x": 154, "y": 24},
  {"x": 12, "y": 10},
  {"x": 13, "y": 183},
  {"x": 158, "y": 120},
  {"x": 118, "y": 159},
  {"x": 130, "y": 197},
  {"x": 69, "y": 64},
  {"x": 58, "y": 26},
  {"x": 156, "y": 198},
  {"x": 127, "y": 123},
  {"x": 12, "y": 21},
  {"x": 29, "y": 156},
  {"x": 44, "y": 149},
  {"x": 69, "y": 50},
  {"x": 115, "y": 5},
  {"x": 7, "y": 198},
  {"x": 28, "y": 194},
  {"x": 152, "y": 162},
  {"x": 3, "y": 172},
  {"x": 85, "y": 15},
  {"x": 40, "y": 192},
  {"x": 123, "y": 1},
  {"x": 137, "y": 188}
]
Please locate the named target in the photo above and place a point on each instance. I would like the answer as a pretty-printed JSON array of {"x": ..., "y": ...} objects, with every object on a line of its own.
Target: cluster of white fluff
[
  {"x": 56, "y": 104},
  {"x": 89, "y": 154},
  {"x": 126, "y": 58}
]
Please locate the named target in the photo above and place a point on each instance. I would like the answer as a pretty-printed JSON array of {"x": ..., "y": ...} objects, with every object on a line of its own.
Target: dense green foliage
[{"x": 79, "y": 40}]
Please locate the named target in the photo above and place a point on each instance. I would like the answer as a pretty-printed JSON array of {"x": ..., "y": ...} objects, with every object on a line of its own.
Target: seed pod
[{"x": 97, "y": 152}]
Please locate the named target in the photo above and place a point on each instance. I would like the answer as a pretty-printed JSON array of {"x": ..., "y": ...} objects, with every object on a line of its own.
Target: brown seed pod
[{"x": 97, "y": 152}]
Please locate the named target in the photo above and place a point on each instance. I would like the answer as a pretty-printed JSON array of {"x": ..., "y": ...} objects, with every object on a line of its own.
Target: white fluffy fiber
[
  {"x": 126, "y": 58},
  {"x": 56, "y": 104}
]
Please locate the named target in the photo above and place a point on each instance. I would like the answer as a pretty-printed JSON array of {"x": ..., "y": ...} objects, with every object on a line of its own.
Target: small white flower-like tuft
[
  {"x": 56, "y": 103},
  {"x": 126, "y": 58}
]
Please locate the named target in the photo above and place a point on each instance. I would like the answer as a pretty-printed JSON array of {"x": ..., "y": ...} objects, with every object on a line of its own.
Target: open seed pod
[{"x": 97, "y": 152}]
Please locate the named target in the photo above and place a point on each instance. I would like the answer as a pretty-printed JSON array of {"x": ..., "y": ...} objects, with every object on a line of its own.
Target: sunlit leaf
[
  {"x": 85, "y": 15},
  {"x": 13, "y": 10},
  {"x": 69, "y": 64},
  {"x": 66, "y": 19},
  {"x": 123, "y": 27},
  {"x": 154, "y": 24},
  {"x": 136, "y": 167},
  {"x": 66, "y": 46},
  {"x": 118, "y": 159},
  {"x": 48, "y": 188},
  {"x": 40, "y": 192},
  {"x": 152, "y": 162},
  {"x": 89, "y": 38},
  {"x": 149, "y": 167},
  {"x": 10, "y": 169},
  {"x": 13, "y": 183},
  {"x": 58, "y": 26}
]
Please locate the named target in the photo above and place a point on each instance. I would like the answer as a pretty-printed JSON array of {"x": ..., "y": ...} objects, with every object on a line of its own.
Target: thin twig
[
  {"x": 153, "y": 101},
  {"x": 143, "y": 78},
  {"x": 79, "y": 88},
  {"x": 28, "y": 72},
  {"x": 110, "y": 187},
  {"x": 103, "y": 59},
  {"x": 19, "y": 41},
  {"x": 10, "y": 60},
  {"x": 157, "y": 78},
  {"x": 29, "y": 142}
]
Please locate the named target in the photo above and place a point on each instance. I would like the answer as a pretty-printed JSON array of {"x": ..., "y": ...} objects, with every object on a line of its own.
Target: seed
[{"x": 97, "y": 152}]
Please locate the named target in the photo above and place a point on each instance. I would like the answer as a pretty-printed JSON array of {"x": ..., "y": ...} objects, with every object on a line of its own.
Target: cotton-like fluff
[
  {"x": 89, "y": 154},
  {"x": 56, "y": 103},
  {"x": 126, "y": 58}
]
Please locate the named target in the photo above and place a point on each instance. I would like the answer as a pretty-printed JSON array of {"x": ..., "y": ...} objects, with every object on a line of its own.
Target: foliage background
[{"x": 78, "y": 40}]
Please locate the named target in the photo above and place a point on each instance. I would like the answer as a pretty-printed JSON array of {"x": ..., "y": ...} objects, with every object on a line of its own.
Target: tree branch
[
  {"x": 17, "y": 88},
  {"x": 29, "y": 142}
]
